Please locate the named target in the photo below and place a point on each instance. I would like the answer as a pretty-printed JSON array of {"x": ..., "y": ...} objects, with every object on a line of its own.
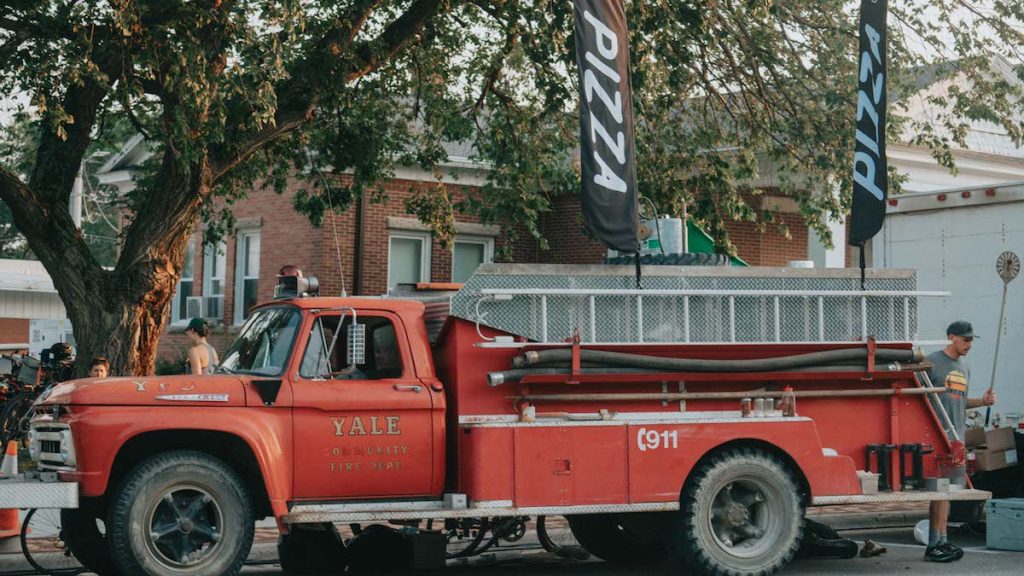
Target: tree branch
[
  {"x": 52, "y": 236},
  {"x": 396, "y": 36},
  {"x": 298, "y": 97}
]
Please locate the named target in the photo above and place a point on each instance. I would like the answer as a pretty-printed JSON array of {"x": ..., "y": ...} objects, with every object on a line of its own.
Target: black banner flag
[
  {"x": 870, "y": 176},
  {"x": 608, "y": 194}
]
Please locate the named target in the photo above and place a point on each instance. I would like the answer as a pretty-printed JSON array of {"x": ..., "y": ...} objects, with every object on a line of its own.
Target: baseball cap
[{"x": 961, "y": 328}]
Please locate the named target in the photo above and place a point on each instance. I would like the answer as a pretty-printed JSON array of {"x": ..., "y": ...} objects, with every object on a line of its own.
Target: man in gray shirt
[{"x": 951, "y": 371}]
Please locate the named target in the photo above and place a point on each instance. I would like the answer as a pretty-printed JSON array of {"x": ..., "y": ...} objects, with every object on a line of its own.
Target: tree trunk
[{"x": 128, "y": 337}]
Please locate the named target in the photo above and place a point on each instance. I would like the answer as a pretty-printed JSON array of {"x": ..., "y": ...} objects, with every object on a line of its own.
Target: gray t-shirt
[{"x": 954, "y": 375}]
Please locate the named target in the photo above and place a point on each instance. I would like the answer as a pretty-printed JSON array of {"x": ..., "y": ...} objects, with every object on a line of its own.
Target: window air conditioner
[{"x": 205, "y": 307}]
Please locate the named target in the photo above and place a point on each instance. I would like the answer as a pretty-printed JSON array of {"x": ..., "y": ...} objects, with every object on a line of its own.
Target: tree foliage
[{"x": 233, "y": 93}]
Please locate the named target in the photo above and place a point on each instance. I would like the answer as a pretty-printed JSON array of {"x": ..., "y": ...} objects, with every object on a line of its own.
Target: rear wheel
[
  {"x": 623, "y": 538},
  {"x": 742, "y": 514},
  {"x": 179, "y": 513}
]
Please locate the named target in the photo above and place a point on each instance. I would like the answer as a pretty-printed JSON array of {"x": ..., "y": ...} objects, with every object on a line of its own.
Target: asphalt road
[{"x": 904, "y": 556}]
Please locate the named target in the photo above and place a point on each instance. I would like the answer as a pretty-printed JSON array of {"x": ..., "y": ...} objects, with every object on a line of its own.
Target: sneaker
[
  {"x": 944, "y": 552},
  {"x": 956, "y": 549}
]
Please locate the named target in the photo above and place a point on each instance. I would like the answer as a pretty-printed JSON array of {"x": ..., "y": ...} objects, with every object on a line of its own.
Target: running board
[
  {"x": 385, "y": 511},
  {"x": 904, "y": 496},
  {"x": 344, "y": 513}
]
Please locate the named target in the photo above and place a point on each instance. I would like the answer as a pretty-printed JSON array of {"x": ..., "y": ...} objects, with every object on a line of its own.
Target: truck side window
[{"x": 383, "y": 358}]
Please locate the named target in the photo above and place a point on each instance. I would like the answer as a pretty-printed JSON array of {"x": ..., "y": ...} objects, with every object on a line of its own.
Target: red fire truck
[{"x": 615, "y": 410}]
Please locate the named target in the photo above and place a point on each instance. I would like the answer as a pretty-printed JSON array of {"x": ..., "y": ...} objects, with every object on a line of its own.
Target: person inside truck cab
[{"x": 381, "y": 358}]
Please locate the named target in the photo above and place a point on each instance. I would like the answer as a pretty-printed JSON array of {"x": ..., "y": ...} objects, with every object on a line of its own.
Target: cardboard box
[
  {"x": 1000, "y": 439},
  {"x": 974, "y": 437},
  {"x": 988, "y": 459}
]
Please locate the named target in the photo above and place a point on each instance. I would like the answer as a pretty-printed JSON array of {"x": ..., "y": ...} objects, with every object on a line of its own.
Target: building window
[
  {"x": 408, "y": 258},
  {"x": 214, "y": 264},
  {"x": 468, "y": 253},
  {"x": 179, "y": 314},
  {"x": 247, "y": 273}
]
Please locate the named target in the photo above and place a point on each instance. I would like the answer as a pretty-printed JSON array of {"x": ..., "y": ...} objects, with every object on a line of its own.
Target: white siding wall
[
  {"x": 955, "y": 250},
  {"x": 31, "y": 305}
]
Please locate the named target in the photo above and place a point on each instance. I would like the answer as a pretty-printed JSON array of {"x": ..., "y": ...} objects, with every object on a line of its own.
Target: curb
[{"x": 870, "y": 520}]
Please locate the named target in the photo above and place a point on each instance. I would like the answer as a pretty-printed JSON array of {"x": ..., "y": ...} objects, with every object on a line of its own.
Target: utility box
[{"x": 1005, "y": 529}]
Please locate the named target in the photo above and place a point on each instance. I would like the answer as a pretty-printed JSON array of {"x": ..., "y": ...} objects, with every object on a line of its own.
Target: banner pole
[
  {"x": 862, "y": 281},
  {"x": 639, "y": 276}
]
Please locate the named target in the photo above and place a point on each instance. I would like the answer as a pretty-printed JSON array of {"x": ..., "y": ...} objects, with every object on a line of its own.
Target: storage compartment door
[{"x": 570, "y": 465}]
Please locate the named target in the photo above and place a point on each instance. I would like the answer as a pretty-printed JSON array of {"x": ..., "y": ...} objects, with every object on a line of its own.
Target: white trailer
[{"x": 952, "y": 238}]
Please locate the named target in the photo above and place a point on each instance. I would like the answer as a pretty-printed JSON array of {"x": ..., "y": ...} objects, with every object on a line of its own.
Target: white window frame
[
  {"x": 239, "y": 312},
  {"x": 175, "y": 308},
  {"x": 486, "y": 241},
  {"x": 425, "y": 247},
  {"x": 210, "y": 252}
]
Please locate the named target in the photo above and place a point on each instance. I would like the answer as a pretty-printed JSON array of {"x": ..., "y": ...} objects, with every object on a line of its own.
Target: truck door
[{"x": 362, "y": 434}]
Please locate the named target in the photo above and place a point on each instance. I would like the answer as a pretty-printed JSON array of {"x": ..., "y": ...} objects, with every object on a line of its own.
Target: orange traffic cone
[
  {"x": 9, "y": 466},
  {"x": 9, "y": 517}
]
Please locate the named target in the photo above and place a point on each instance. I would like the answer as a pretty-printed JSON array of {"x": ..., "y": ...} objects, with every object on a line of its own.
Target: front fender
[{"x": 101, "y": 432}]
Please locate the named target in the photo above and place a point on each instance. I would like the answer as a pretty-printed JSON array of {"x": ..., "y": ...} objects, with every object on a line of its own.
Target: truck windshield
[{"x": 265, "y": 343}]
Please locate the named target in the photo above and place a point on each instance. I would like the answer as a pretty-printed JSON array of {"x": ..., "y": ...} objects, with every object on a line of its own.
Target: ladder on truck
[{"x": 706, "y": 316}]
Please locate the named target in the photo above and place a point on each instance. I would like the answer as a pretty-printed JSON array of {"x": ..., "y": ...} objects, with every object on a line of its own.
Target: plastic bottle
[{"x": 788, "y": 402}]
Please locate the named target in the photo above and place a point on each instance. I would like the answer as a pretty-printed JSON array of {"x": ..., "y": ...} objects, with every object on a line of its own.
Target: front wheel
[
  {"x": 742, "y": 514},
  {"x": 180, "y": 512}
]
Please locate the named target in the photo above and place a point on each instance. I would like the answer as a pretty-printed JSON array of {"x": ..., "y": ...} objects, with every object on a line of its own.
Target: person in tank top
[{"x": 202, "y": 358}]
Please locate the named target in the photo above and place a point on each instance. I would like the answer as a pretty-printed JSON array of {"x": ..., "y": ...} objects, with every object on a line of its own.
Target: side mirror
[{"x": 356, "y": 344}]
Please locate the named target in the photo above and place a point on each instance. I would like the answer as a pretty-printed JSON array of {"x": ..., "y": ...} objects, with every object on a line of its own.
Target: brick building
[{"x": 372, "y": 247}]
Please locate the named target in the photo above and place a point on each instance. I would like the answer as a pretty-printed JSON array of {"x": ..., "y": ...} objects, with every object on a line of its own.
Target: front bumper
[{"x": 19, "y": 492}]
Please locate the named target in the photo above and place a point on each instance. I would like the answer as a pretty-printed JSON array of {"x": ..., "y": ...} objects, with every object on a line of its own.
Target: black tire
[
  {"x": 14, "y": 418},
  {"x": 180, "y": 512},
  {"x": 48, "y": 552},
  {"x": 636, "y": 538},
  {"x": 741, "y": 514},
  {"x": 314, "y": 549},
  {"x": 85, "y": 539}
]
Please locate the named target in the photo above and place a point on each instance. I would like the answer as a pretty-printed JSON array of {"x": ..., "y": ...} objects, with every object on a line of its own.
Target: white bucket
[{"x": 921, "y": 532}]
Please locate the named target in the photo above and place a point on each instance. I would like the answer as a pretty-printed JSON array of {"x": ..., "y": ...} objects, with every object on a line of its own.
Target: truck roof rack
[{"x": 551, "y": 303}]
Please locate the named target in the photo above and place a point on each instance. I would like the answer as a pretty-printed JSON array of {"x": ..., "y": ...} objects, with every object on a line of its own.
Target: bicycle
[
  {"x": 556, "y": 536},
  {"x": 47, "y": 551}
]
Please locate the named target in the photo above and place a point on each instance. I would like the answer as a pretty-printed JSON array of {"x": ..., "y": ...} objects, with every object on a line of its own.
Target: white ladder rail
[{"x": 711, "y": 296}]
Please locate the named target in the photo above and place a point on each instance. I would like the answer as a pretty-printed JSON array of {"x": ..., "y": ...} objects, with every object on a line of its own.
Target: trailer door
[{"x": 364, "y": 434}]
